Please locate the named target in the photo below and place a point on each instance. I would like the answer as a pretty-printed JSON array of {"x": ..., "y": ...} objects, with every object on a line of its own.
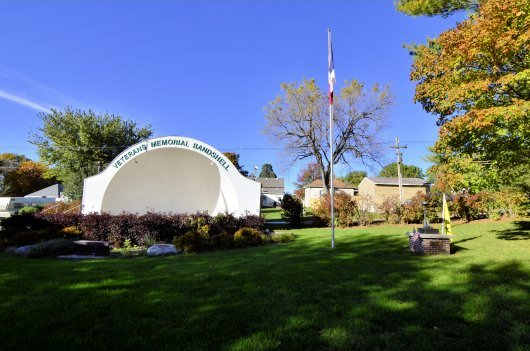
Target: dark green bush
[
  {"x": 292, "y": 210},
  {"x": 192, "y": 241}
]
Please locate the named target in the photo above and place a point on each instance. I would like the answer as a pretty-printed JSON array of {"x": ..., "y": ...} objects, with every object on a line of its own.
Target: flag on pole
[
  {"x": 331, "y": 69},
  {"x": 446, "y": 217}
]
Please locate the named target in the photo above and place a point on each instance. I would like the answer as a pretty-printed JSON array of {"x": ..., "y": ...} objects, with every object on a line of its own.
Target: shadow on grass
[
  {"x": 368, "y": 293},
  {"x": 520, "y": 232}
]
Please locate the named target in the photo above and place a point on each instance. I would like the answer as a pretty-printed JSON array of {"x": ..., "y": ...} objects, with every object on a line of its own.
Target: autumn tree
[
  {"x": 299, "y": 121},
  {"x": 435, "y": 7},
  {"x": 308, "y": 174},
  {"x": 267, "y": 171},
  {"x": 234, "y": 158},
  {"x": 354, "y": 177},
  {"x": 476, "y": 79},
  {"x": 27, "y": 178},
  {"x": 8, "y": 163},
  {"x": 407, "y": 171},
  {"x": 75, "y": 144}
]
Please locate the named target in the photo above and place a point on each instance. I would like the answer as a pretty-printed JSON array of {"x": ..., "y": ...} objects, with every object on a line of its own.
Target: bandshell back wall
[{"x": 171, "y": 174}]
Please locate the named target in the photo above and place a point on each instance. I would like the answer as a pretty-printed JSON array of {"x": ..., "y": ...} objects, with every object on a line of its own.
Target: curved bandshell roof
[{"x": 171, "y": 174}]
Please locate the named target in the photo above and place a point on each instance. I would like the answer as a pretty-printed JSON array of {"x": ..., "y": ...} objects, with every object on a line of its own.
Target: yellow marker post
[{"x": 446, "y": 218}]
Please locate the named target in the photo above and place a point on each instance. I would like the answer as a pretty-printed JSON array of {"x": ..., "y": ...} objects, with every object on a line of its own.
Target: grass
[{"x": 369, "y": 293}]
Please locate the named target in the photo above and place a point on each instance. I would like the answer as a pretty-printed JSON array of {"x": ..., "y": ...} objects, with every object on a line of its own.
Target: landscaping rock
[
  {"x": 24, "y": 250},
  {"x": 161, "y": 250}
]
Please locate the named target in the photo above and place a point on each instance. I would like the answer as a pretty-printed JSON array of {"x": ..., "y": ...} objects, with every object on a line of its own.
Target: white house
[
  {"x": 315, "y": 190},
  {"x": 272, "y": 191}
]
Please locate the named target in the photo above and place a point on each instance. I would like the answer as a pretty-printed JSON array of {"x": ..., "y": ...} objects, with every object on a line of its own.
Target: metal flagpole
[
  {"x": 331, "y": 177},
  {"x": 331, "y": 79}
]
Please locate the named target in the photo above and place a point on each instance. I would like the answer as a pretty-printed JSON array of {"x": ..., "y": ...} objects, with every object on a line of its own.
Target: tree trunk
[{"x": 325, "y": 181}]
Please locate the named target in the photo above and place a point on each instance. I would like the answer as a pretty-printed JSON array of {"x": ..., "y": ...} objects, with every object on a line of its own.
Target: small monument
[{"x": 428, "y": 240}]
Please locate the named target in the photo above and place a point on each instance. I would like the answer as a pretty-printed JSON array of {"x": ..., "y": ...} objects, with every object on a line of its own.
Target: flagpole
[
  {"x": 331, "y": 66},
  {"x": 331, "y": 177}
]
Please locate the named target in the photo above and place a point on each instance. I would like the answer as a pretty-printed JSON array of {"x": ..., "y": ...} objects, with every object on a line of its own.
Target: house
[
  {"x": 272, "y": 191},
  {"x": 380, "y": 188},
  {"x": 11, "y": 205},
  {"x": 315, "y": 190}
]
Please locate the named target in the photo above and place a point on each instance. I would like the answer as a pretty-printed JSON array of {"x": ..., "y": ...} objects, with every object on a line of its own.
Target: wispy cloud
[
  {"x": 16, "y": 81},
  {"x": 23, "y": 101}
]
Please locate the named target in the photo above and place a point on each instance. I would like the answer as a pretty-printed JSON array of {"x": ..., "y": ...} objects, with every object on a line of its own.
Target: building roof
[
  {"x": 337, "y": 183},
  {"x": 55, "y": 190},
  {"x": 271, "y": 185},
  {"x": 394, "y": 181}
]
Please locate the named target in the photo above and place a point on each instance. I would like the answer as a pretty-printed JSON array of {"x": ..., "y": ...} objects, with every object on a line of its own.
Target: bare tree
[{"x": 299, "y": 120}]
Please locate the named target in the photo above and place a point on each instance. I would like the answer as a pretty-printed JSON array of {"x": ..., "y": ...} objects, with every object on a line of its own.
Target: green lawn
[{"x": 369, "y": 293}]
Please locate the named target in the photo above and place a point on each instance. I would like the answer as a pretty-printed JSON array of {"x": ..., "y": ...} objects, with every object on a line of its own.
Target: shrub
[
  {"x": 346, "y": 209},
  {"x": 192, "y": 241},
  {"x": 470, "y": 206},
  {"x": 412, "y": 210},
  {"x": 71, "y": 232},
  {"x": 248, "y": 237},
  {"x": 292, "y": 210},
  {"x": 29, "y": 210},
  {"x": 252, "y": 221},
  {"x": 223, "y": 241},
  {"x": 283, "y": 238},
  {"x": 95, "y": 226},
  {"x": 138, "y": 229},
  {"x": 390, "y": 207}
]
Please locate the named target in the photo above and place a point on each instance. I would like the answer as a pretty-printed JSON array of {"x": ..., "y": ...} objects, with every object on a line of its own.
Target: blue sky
[{"x": 203, "y": 69}]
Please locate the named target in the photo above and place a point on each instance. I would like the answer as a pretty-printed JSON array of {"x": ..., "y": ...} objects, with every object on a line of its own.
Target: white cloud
[{"x": 22, "y": 101}]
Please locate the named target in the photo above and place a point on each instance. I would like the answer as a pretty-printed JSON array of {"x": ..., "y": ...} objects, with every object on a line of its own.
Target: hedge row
[{"x": 138, "y": 229}]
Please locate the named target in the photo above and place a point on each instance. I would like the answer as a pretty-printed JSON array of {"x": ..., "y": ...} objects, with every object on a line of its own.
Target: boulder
[
  {"x": 24, "y": 250},
  {"x": 161, "y": 250}
]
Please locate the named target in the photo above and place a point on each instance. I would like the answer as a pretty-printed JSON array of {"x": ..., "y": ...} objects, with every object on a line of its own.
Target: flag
[
  {"x": 415, "y": 235},
  {"x": 446, "y": 217},
  {"x": 331, "y": 69}
]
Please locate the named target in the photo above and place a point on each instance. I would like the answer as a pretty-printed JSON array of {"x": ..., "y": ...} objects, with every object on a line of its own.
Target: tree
[
  {"x": 267, "y": 172},
  {"x": 8, "y": 163},
  {"x": 354, "y": 177},
  {"x": 435, "y": 7},
  {"x": 76, "y": 143},
  {"x": 234, "y": 158},
  {"x": 306, "y": 175},
  {"x": 476, "y": 79},
  {"x": 407, "y": 171},
  {"x": 27, "y": 178},
  {"x": 299, "y": 121}
]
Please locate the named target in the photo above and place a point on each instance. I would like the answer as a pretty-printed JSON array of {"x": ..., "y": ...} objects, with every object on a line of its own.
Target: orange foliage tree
[
  {"x": 476, "y": 79},
  {"x": 27, "y": 178}
]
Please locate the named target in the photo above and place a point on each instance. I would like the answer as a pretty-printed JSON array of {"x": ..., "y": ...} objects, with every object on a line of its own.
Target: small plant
[
  {"x": 282, "y": 238},
  {"x": 149, "y": 240}
]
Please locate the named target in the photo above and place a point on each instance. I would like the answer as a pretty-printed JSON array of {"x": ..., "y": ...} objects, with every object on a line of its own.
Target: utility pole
[{"x": 399, "y": 155}]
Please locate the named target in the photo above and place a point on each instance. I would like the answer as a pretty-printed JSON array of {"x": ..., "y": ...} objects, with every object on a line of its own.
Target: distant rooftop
[
  {"x": 55, "y": 190},
  {"x": 337, "y": 183},
  {"x": 394, "y": 181},
  {"x": 271, "y": 185}
]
